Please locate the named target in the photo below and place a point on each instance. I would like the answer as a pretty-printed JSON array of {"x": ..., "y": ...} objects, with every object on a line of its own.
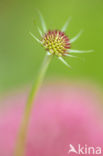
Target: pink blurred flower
[{"x": 63, "y": 115}]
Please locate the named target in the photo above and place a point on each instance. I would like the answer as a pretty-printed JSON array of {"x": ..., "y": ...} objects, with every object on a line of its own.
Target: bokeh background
[
  {"x": 21, "y": 56},
  {"x": 64, "y": 110}
]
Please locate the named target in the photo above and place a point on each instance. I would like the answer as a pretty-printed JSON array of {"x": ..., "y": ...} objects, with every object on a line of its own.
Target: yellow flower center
[{"x": 56, "y": 42}]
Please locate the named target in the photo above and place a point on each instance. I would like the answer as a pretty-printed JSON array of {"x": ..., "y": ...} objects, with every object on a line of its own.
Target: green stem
[{"x": 21, "y": 140}]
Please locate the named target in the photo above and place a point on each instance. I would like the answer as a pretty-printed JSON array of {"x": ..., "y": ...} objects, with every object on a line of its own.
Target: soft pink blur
[{"x": 63, "y": 115}]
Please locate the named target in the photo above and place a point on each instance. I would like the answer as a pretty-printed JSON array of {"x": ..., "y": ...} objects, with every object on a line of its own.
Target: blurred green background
[{"x": 21, "y": 56}]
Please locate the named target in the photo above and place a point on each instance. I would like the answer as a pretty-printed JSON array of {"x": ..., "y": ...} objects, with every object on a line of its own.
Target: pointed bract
[
  {"x": 66, "y": 25},
  {"x": 42, "y": 22},
  {"x": 35, "y": 38},
  {"x": 40, "y": 32},
  {"x": 70, "y": 55},
  {"x": 76, "y": 37},
  {"x": 63, "y": 61},
  {"x": 79, "y": 51}
]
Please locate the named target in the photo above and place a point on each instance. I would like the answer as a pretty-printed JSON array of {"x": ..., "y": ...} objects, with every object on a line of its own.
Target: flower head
[{"x": 56, "y": 42}]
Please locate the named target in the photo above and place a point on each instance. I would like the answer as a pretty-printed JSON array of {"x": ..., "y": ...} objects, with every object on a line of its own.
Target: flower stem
[{"x": 21, "y": 140}]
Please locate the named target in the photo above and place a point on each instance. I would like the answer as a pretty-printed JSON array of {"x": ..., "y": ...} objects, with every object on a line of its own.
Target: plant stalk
[{"x": 21, "y": 139}]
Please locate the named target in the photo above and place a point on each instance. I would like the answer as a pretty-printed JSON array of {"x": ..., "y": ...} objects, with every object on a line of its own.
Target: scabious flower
[{"x": 56, "y": 42}]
